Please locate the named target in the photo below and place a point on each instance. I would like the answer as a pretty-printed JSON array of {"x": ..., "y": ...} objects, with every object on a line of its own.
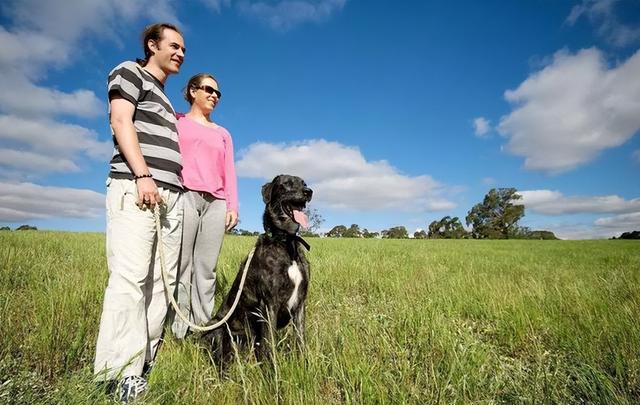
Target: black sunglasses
[{"x": 210, "y": 90}]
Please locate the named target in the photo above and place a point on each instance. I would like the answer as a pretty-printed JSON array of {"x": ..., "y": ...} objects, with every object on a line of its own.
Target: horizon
[{"x": 394, "y": 115}]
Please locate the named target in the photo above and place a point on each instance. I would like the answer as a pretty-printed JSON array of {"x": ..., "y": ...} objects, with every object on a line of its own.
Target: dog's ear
[{"x": 266, "y": 192}]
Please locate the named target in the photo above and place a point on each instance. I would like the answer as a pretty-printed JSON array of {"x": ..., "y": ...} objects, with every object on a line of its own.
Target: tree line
[
  {"x": 20, "y": 228},
  {"x": 628, "y": 235},
  {"x": 496, "y": 217}
]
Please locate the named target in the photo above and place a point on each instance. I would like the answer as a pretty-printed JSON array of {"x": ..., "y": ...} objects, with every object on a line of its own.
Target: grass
[{"x": 388, "y": 321}]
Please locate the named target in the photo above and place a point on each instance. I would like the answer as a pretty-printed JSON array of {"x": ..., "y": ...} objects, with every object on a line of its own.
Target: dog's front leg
[
  {"x": 265, "y": 334},
  {"x": 221, "y": 348},
  {"x": 298, "y": 323}
]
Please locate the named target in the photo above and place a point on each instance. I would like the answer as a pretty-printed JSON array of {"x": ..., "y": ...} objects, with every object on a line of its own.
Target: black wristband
[{"x": 142, "y": 176}]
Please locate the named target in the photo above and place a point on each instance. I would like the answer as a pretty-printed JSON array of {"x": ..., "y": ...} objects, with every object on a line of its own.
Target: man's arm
[{"x": 121, "y": 119}]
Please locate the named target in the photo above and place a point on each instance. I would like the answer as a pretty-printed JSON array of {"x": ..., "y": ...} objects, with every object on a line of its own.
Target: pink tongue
[{"x": 300, "y": 218}]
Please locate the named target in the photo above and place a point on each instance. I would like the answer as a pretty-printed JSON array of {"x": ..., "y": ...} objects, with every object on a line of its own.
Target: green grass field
[{"x": 388, "y": 321}]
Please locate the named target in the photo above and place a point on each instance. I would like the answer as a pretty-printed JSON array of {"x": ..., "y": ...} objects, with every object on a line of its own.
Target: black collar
[
  {"x": 303, "y": 242},
  {"x": 289, "y": 240}
]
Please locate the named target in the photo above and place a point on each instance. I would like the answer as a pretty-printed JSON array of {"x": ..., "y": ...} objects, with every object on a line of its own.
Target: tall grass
[{"x": 388, "y": 321}]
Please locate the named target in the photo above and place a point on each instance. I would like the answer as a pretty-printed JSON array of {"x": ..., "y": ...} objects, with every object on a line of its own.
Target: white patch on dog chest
[{"x": 296, "y": 276}]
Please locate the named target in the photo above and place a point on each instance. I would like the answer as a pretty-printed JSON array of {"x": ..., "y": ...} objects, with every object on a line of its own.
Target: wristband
[{"x": 142, "y": 176}]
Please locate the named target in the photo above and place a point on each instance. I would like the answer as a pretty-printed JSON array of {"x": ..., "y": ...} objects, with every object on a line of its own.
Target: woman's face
[{"x": 207, "y": 95}]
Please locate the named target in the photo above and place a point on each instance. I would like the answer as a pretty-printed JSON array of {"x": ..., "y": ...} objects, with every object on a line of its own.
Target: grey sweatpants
[
  {"x": 202, "y": 234},
  {"x": 135, "y": 304}
]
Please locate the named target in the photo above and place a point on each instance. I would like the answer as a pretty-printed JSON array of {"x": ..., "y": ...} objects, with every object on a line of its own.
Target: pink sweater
[{"x": 207, "y": 160}]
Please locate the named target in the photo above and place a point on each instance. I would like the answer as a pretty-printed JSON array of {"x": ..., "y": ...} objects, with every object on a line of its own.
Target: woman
[{"x": 210, "y": 199}]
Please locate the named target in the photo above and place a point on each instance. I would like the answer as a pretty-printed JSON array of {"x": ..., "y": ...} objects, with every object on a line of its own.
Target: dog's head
[{"x": 285, "y": 198}]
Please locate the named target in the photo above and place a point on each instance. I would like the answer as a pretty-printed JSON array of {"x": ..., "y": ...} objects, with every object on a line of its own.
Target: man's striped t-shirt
[{"x": 155, "y": 123}]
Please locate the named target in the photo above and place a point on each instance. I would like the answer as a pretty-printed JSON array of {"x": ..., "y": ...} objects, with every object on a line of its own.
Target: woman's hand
[{"x": 231, "y": 220}]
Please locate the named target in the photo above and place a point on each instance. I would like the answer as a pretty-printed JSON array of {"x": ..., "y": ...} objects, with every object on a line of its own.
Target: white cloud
[
  {"x": 373, "y": 192},
  {"x": 576, "y": 231},
  {"x": 622, "y": 222},
  {"x": 606, "y": 227},
  {"x": 636, "y": 155},
  {"x": 481, "y": 126},
  {"x": 46, "y": 34},
  {"x": 342, "y": 178},
  {"x": 27, "y": 201},
  {"x": 567, "y": 113},
  {"x": 54, "y": 139},
  {"x": 601, "y": 13},
  {"x": 72, "y": 20},
  {"x": 46, "y": 101},
  {"x": 35, "y": 162},
  {"x": 555, "y": 203},
  {"x": 286, "y": 14},
  {"x": 51, "y": 34},
  {"x": 28, "y": 56},
  {"x": 24, "y": 51},
  {"x": 39, "y": 36}
]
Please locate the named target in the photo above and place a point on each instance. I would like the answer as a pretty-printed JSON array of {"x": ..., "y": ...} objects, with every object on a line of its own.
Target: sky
[{"x": 394, "y": 112}]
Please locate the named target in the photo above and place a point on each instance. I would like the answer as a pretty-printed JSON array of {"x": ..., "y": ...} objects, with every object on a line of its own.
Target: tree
[
  {"x": 543, "y": 235},
  {"x": 26, "y": 228},
  {"x": 420, "y": 234},
  {"x": 352, "y": 232},
  {"x": 447, "y": 228},
  {"x": 368, "y": 235},
  {"x": 244, "y": 232},
  {"x": 497, "y": 216},
  {"x": 314, "y": 218},
  {"x": 629, "y": 235},
  {"x": 337, "y": 231},
  {"x": 397, "y": 232},
  {"x": 523, "y": 232},
  {"x": 5, "y": 228}
]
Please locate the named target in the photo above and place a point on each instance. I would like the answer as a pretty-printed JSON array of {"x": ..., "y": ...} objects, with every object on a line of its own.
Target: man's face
[{"x": 168, "y": 52}]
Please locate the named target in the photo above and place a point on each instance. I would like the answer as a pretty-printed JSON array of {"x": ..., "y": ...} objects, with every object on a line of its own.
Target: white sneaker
[{"x": 131, "y": 387}]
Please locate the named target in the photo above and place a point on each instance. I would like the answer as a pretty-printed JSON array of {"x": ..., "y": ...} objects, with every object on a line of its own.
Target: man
[{"x": 145, "y": 171}]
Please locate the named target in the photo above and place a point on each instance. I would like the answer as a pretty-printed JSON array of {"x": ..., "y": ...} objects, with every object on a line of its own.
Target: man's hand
[{"x": 147, "y": 192}]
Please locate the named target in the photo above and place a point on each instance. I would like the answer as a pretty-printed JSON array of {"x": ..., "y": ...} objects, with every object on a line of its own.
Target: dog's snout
[{"x": 307, "y": 193}]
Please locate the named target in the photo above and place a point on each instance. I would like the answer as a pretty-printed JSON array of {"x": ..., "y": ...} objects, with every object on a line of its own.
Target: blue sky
[{"x": 396, "y": 113}]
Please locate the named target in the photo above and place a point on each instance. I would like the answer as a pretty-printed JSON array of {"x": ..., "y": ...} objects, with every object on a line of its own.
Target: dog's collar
[
  {"x": 304, "y": 242},
  {"x": 289, "y": 238}
]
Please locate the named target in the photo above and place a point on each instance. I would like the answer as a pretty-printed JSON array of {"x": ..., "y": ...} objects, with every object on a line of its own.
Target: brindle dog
[{"x": 276, "y": 285}]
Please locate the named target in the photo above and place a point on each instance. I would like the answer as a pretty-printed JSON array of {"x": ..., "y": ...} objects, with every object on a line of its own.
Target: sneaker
[{"x": 131, "y": 387}]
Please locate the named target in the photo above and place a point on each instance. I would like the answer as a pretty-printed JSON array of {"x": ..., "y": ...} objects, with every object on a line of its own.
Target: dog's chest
[{"x": 295, "y": 275}]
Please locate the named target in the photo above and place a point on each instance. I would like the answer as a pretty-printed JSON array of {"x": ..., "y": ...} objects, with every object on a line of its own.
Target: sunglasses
[{"x": 210, "y": 90}]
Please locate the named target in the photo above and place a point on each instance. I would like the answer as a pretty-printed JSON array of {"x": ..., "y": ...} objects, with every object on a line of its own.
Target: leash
[{"x": 174, "y": 304}]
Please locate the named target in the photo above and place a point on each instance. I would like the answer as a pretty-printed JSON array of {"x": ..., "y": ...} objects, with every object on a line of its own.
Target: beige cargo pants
[{"x": 135, "y": 304}]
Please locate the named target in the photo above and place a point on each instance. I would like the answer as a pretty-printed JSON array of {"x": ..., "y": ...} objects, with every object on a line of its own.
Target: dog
[{"x": 277, "y": 279}]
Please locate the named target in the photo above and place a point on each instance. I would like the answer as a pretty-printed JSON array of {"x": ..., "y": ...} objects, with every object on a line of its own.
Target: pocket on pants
[{"x": 122, "y": 195}]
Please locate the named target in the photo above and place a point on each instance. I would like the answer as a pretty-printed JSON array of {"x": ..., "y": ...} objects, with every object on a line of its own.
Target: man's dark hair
[{"x": 153, "y": 32}]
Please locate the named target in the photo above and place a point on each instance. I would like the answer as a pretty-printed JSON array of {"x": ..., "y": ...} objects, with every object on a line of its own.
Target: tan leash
[{"x": 174, "y": 304}]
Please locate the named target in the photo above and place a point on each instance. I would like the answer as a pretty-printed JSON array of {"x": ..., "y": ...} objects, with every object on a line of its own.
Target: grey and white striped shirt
[{"x": 155, "y": 123}]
